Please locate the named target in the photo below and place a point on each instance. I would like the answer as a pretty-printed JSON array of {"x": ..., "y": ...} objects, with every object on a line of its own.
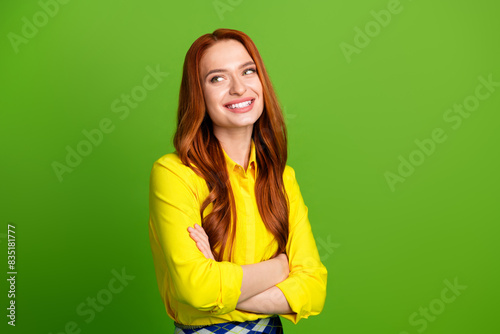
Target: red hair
[{"x": 196, "y": 144}]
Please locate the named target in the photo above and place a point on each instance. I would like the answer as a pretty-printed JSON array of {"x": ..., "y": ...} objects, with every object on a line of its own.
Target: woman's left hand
[{"x": 198, "y": 234}]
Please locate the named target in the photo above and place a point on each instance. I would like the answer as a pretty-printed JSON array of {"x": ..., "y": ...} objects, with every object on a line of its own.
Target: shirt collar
[{"x": 252, "y": 162}]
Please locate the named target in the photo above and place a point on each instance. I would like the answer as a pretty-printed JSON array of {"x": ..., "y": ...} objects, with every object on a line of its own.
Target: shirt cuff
[
  {"x": 297, "y": 299},
  {"x": 230, "y": 287}
]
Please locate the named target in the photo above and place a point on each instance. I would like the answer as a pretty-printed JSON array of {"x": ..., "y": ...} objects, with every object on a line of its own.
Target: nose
[{"x": 237, "y": 86}]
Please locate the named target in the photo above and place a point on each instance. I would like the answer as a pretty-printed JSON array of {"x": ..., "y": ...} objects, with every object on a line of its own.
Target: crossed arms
[{"x": 259, "y": 293}]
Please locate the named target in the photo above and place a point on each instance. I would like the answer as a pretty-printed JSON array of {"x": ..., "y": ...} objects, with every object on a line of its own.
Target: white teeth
[{"x": 240, "y": 105}]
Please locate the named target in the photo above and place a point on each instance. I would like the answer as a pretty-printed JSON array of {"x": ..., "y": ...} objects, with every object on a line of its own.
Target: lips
[{"x": 242, "y": 103}]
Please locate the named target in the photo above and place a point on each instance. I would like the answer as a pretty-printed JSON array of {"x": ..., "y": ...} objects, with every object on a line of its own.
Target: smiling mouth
[{"x": 239, "y": 105}]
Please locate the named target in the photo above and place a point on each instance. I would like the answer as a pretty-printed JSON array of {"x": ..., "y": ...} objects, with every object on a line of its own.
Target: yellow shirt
[{"x": 201, "y": 291}]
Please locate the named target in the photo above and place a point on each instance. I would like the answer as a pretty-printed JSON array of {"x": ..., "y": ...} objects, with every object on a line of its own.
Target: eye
[
  {"x": 216, "y": 79},
  {"x": 250, "y": 71}
]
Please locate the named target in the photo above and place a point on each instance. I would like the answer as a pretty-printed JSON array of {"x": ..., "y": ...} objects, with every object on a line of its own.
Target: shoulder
[
  {"x": 289, "y": 179},
  {"x": 169, "y": 160},
  {"x": 288, "y": 174},
  {"x": 171, "y": 164},
  {"x": 173, "y": 182}
]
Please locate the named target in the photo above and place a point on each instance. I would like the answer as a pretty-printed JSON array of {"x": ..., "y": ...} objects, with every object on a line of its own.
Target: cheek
[
  {"x": 211, "y": 97},
  {"x": 257, "y": 87}
]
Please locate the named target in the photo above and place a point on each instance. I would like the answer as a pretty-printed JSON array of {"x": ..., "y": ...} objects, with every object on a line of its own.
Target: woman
[{"x": 231, "y": 241}]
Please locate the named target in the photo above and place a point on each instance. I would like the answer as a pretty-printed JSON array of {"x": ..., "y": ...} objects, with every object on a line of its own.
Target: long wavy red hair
[{"x": 196, "y": 144}]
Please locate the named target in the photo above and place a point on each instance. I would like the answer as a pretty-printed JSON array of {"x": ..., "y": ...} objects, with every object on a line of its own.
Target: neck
[{"x": 236, "y": 142}]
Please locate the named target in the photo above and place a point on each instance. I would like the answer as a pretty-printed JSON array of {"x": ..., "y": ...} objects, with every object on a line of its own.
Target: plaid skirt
[{"x": 270, "y": 325}]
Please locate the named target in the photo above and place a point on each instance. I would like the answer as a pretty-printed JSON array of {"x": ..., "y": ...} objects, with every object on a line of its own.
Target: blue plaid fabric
[{"x": 270, "y": 325}]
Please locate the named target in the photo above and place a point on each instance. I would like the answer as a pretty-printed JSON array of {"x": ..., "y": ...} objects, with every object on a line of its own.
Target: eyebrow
[{"x": 217, "y": 70}]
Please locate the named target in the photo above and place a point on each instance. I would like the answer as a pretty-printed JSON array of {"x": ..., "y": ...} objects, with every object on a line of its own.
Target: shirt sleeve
[
  {"x": 305, "y": 287},
  {"x": 205, "y": 284}
]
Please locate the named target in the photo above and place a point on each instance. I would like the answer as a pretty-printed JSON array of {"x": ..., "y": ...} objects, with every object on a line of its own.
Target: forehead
[{"x": 224, "y": 54}]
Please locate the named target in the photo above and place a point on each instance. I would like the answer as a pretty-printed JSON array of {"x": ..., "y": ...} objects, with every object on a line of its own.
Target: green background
[{"x": 388, "y": 250}]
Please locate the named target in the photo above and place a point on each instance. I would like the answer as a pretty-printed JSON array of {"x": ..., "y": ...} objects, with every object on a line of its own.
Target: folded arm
[
  {"x": 271, "y": 301},
  {"x": 182, "y": 271}
]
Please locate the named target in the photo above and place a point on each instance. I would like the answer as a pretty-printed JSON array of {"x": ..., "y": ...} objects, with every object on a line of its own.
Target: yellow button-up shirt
[{"x": 201, "y": 291}]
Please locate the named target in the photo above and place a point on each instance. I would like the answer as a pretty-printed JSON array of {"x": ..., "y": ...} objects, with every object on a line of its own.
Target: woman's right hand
[{"x": 199, "y": 235}]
